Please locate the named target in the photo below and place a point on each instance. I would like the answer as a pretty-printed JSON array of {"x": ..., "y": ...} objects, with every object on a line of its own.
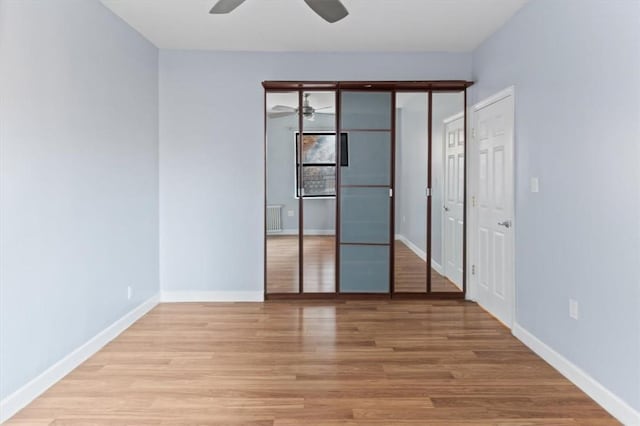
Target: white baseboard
[
  {"x": 414, "y": 248},
  {"x": 419, "y": 252},
  {"x": 438, "y": 268},
  {"x": 30, "y": 391},
  {"x": 211, "y": 296},
  {"x": 603, "y": 396},
  {"x": 306, "y": 232}
]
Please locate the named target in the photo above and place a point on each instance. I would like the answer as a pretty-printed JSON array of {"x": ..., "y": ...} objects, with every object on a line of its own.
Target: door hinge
[
  {"x": 473, "y": 269},
  {"x": 473, "y": 201},
  {"x": 473, "y": 133},
  {"x": 427, "y": 192}
]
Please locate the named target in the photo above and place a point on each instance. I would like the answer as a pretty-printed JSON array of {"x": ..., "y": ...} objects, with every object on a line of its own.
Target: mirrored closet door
[
  {"x": 429, "y": 192},
  {"x": 316, "y": 171},
  {"x": 411, "y": 181},
  {"x": 448, "y": 192},
  {"x": 301, "y": 172},
  {"x": 282, "y": 209},
  {"x": 365, "y": 189}
]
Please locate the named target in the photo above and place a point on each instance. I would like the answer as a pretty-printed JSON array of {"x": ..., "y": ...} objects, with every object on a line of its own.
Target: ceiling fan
[
  {"x": 308, "y": 112},
  {"x": 329, "y": 10}
]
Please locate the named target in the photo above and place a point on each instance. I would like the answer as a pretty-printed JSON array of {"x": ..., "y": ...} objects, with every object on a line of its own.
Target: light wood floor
[
  {"x": 315, "y": 363},
  {"x": 319, "y": 269},
  {"x": 319, "y": 261}
]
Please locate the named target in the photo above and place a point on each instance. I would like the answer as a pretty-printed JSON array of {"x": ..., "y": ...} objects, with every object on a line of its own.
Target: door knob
[
  {"x": 446, "y": 209},
  {"x": 505, "y": 223}
]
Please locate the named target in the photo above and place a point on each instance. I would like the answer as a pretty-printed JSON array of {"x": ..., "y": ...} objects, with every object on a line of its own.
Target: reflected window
[{"x": 319, "y": 164}]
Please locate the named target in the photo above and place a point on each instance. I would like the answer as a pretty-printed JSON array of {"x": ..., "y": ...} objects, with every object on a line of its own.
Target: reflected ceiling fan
[
  {"x": 308, "y": 112},
  {"x": 329, "y": 10}
]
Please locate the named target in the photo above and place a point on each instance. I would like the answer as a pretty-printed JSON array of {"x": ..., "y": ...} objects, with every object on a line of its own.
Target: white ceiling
[{"x": 289, "y": 25}]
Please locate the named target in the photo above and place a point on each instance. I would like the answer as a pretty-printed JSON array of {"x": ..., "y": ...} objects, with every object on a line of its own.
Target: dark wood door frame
[{"x": 393, "y": 87}]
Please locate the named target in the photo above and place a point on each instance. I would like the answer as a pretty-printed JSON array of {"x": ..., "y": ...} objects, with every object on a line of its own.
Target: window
[{"x": 319, "y": 164}]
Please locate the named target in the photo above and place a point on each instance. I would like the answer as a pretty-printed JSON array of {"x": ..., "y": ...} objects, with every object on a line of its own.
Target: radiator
[{"x": 274, "y": 218}]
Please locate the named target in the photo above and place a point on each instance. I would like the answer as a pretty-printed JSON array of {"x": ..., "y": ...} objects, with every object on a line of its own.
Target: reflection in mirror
[
  {"x": 317, "y": 172},
  {"x": 410, "y": 244},
  {"x": 282, "y": 245},
  {"x": 448, "y": 154}
]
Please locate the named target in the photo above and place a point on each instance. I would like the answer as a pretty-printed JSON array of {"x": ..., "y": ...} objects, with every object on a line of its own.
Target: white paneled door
[
  {"x": 492, "y": 205},
  {"x": 453, "y": 229}
]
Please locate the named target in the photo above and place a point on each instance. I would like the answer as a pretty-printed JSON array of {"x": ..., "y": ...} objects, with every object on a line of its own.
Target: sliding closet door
[
  {"x": 317, "y": 171},
  {"x": 365, "y": 192},
  {"x": 282, "y": 212},
  {"x": 448, "y": 194}
]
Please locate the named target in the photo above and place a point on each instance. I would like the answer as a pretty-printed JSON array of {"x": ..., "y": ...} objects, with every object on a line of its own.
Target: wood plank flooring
[
  {"x": 325, "y": 363},
  {"x": 411, "y": 273},
  {"x": 319, "y": 269},
  {"x": 282, "y": 264}
]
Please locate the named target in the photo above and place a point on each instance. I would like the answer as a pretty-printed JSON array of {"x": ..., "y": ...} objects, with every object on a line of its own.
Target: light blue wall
[
  {"x": 575, "y": 65},
  {"x": 211, "y": 152},
  {"x": 78, "y": 179}
]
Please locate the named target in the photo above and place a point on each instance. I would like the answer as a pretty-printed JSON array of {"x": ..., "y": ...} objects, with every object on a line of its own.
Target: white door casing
[
  {"x": 453, "y": 200},
  {"x": 491, "y": 205}
]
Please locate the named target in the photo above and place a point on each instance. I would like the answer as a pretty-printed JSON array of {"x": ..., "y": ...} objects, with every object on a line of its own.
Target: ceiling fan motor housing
[{"x": 307, "y": 111}]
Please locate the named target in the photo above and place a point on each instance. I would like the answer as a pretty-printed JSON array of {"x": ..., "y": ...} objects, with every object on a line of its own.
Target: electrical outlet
[
  {"x": 129, "y": 292},
  {"x": 290, "y": 213},
  {"x": 574, "y": 309},
  {"x": 404, "y": 219}
]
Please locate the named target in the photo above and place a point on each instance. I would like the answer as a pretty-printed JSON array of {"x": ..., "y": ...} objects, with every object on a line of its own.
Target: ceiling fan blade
[
  {"x": 329, "y": 10},
  {"x": 225, "y": 6},
  {"x": 326, "y": 107},
  {"x": 283, "y": 108},
  {"x": 280, "y": 114}
]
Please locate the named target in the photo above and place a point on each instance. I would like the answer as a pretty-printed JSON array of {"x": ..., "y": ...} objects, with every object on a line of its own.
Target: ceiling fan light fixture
[
  {"x": 329, "y": 10},
  {"x": 225, "y": 6}
]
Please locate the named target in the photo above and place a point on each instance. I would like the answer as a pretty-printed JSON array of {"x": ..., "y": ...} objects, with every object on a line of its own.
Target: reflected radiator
[{"x": 274, "y": 218}]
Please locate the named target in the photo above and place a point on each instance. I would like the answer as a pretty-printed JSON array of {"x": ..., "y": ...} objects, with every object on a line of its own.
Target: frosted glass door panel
[
  {"x": 368, "y": 159},
  {"x": 365, "y": 215},
  {"x": 365, "y": 202},
  {"x": 365, "y": 269},
  {"x": 366, "y": 110}
]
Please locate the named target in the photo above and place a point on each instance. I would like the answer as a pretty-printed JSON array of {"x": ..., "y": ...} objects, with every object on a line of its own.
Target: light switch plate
[
  {"x": 574, "y": 309},
  {"x": 535, "y": 185},
  {"x": 290, "y": 213}
]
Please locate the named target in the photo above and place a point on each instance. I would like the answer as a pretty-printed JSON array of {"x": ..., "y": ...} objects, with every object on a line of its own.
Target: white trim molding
[
  {"x": 414, "y": 248},
  {"x": 504, "y": 93},
  {"x": 421, "y": 254},
  {"x": 603, "y": 396},
  {"x": 19, "y": 399},
  {"x": 211, "y": 296},
  {"x": 453, "y": 117},
  {"x": 438, "y": 268}
]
